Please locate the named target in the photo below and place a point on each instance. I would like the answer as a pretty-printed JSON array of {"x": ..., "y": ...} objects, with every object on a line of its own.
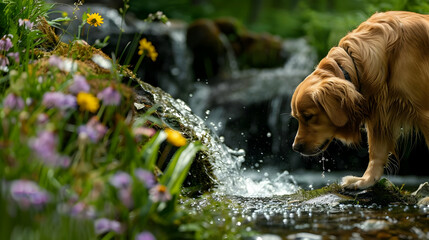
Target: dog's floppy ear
[{"x": 340, "y": 100}]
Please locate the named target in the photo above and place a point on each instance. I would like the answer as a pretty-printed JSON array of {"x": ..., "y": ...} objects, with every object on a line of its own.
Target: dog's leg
[{"x": 378, "y": 156}]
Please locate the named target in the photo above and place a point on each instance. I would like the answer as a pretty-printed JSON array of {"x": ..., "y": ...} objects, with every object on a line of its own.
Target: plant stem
[{"x": 138, "y": 63}]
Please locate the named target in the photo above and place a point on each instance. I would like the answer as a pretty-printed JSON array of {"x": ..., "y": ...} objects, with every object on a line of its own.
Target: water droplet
[
  {"x": 191, "y": 95},
  {"x": 207, "y": 112},
  {"x": 268, "y": 134}
]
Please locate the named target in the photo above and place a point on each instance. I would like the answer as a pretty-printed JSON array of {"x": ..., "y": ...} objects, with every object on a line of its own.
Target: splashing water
[{"x": 232, "y": 179}]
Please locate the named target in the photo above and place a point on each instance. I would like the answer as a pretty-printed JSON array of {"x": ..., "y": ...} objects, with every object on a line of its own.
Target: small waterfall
[
  {"x": 232, "y": 61},
  {"x": 210, "y": 103},
  {"x": 227, "y": 163}
]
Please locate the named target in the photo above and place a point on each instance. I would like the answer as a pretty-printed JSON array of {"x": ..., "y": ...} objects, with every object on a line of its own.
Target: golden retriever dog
[{"x": 377, "y": 76}]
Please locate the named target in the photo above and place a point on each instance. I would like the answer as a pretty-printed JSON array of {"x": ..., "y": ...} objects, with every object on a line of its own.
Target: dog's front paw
[{"x": 352, "y": 182}]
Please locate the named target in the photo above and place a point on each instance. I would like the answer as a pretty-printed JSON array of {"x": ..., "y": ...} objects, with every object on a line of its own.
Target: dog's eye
[{"x": 307, "y": 117}]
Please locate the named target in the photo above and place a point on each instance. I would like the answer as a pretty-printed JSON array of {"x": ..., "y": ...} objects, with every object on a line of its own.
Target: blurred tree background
[{"x": 322, "y": 22}]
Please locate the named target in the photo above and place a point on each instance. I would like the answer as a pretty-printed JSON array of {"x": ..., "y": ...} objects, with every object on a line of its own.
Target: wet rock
[
  {"x": 229, "y": 26},
  {"x": 203, "y": 39},
  {"x": 382, "y": 193},
  {"x": 210, "y": 40},
  {"x": 251, "y": 49},
  {"x": 330, "y": 199},
  {"x": 304, "y": 236},
  {"x": 265, "y": 237},
  {"x": 373, "y": 225},
  {"x": 422, "y": 191},
  {"x": 176, "y": 114},
  {"x": 259, "y": 51},
  {"x": 421, "y": 234}
]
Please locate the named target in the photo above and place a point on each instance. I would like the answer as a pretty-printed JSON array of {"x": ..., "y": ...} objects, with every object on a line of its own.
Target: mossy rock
[
  {"x": 200, "y": 178},
  {"x": 260, "y": 51},
  {"x": 203, "y": 39},
  {"x": 382, "y": 193}
]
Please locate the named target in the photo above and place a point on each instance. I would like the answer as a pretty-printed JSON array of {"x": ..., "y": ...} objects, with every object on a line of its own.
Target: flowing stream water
[{"x": 261, "y": 195}]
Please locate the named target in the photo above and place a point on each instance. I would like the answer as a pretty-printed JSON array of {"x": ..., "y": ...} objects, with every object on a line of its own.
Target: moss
[
  {"x": 382, "y": 193},
  {"x": 201, "y": 177},
  {"x": 50, "y": 39},
  {"x": 303, "y": 195}
]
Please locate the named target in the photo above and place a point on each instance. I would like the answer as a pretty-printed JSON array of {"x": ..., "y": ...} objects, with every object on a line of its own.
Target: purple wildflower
[
  {"x": 28, "y": 193},
  {"x": 44, "y": 146},
  {"x": 82, "y": 210},
  {"x": 79, "y": 84},
  {"x": 59, "y": 100},
  {"x": 5, "y": 43},
  {"x": 146, "y": 177},
  {"x": 145, "y": 236},
  {"x": 13, "y": 101},
  {"x": 93, "y": 129},
  {"x": 42, "y": 118},
  {"x": 159, "y": 193},
  {"x": 125, "y": 195},
  {"x": 26, "y": 22},
  {"x": 110, "y": 97},
  {"x": 104, "y": 225},
  {"x": 14, "y": 56},
  {"x": 4, "y": 61},
  {"x": 55, "y": 61},
  {"x": 120, "y": 180}
]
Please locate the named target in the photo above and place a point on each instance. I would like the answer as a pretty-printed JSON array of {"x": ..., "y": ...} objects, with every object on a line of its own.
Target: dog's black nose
[{"x": 298, "y": 147}]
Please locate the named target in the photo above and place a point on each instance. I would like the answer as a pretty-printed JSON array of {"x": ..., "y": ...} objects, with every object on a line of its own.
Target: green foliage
[
  {"x": 323, "y": 22},
  {"x": 73, "y": 162}
]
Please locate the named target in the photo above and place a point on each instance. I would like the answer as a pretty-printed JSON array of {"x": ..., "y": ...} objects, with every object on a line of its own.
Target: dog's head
[{"x": 326, "y": 106}]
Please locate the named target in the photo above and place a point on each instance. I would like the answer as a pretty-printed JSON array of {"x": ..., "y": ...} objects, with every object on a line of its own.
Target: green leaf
[
  {"x": 149, "y": 153},
  {"x": 179, "y": 166}
]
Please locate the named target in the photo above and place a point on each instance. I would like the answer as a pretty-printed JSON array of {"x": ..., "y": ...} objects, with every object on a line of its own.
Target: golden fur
[{"x": 387, "y": 59}]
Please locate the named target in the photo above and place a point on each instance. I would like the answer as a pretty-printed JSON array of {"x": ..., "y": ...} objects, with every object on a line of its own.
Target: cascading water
[{"x": 261, "y": 85}]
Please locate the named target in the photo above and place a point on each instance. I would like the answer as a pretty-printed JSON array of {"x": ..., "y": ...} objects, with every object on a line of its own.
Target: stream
[
  {"x": 260, "y": 197},
  {"x": 258, "y": 188}
]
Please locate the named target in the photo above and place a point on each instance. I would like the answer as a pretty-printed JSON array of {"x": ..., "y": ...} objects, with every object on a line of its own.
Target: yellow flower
[
  {"x": 148, "y": 49},
  {"x": 174, "y": 137},
  {"x": 87, "y": 102},
  {"x": 94, "y": 19}
]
